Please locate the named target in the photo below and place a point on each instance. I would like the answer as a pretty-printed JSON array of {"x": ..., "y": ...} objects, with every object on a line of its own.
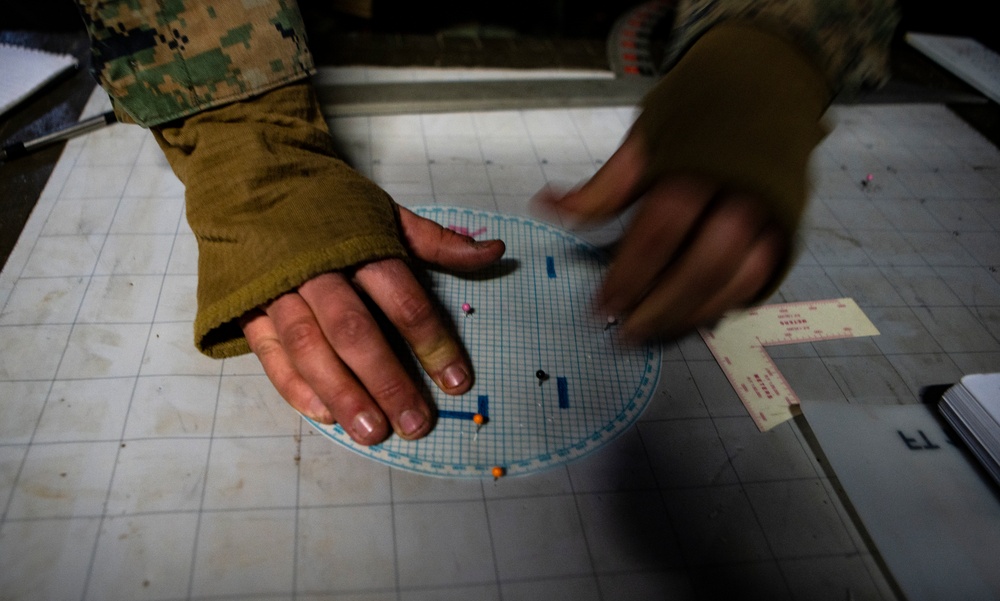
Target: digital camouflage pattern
[
  {"x": 848, "y": 39},
  {"x": 161, "y": 60},
  {"x": 272, "y": 207}
]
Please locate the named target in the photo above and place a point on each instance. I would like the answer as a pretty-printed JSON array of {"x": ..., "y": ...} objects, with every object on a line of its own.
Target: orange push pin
[
  {"x": 498, "y": 472},
  {"x": 479, "y": 419}
]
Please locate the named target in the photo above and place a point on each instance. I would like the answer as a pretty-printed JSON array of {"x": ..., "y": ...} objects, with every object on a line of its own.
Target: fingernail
[
  {"x": 411, "y": 421},
  {"x": 318, "y": 411},
  {"x": 364, "y": 425},
  {"x": 454, "y": 376}
]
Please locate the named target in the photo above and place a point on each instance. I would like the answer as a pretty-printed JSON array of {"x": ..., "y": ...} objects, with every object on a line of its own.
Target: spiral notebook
[{"x": 24, "y": 71}]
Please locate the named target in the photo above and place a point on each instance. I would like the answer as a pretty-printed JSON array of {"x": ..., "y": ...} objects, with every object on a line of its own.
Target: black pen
[{"x": 17, "y": 149}]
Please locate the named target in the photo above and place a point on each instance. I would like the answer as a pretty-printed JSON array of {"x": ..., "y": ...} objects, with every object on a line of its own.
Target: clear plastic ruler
[{"x": 738, "y": 343}]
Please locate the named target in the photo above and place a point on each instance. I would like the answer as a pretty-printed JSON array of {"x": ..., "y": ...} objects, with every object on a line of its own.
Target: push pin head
[
  {"x": 498, "y": 472},
  {"x": 479, "y": 419},
  {"x": 542, "y": 376},
  {"x": 467, "y": 309},
  {"x": 612, "y": 320}
]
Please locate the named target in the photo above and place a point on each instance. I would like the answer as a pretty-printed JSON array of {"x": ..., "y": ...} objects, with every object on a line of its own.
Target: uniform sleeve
[
  {"x": 161, "y": 61},
  {"x": 847, "y": 39},
  {"x": 223, "y": 85}
]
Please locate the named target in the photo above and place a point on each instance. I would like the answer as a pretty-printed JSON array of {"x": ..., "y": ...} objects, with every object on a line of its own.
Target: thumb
[
  {"x": 430, "y": 242},
  {"x": 611, "y": 190}
]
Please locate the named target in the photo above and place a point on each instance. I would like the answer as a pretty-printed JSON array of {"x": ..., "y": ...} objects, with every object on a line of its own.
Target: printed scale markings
[{"x": 738, "y": 342}]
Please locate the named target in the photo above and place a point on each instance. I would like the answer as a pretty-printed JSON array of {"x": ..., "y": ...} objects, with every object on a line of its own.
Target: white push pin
[{"x": 612, "y": 320}]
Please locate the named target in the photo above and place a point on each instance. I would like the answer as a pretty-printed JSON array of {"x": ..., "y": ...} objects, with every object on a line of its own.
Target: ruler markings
[{"x": 738, "y": 343}]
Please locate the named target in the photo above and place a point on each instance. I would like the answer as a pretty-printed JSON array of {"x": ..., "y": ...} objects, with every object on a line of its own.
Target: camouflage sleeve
[
  {"x": 848, "y": 39},
  {"x": 163, "y": 60}
]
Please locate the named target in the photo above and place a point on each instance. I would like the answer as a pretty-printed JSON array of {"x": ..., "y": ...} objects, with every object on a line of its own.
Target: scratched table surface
[{"x": 133, "y": 468}]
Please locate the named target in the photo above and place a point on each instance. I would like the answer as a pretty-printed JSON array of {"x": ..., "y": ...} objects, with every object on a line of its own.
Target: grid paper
[
  {"x": 554, "y": 381},
  {"x": 133, "y": 468}
]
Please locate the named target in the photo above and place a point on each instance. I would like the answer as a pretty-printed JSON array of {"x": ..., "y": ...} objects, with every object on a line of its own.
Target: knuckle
[
  {"x": 264, "y": 348},
  {"x": 414, "y": 313},
  {"x": 394, "y": 389},
  {"x": 351, "y": 328},
  {"x": 343, "y": 398},
  {"x": 302, "y": 336},
  {"x": 285, "y": 382}
]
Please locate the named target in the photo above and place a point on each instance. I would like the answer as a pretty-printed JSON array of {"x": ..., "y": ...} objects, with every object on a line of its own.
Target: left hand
[
  {"x": 693, "y": 250},
  {"x": 325, "y": 354}
]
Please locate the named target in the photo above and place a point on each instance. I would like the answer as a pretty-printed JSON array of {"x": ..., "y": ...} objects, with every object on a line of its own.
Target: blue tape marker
[
  {"x": 447, "y": 414},
  {"x": 562, "y": 385},
  {"x": 550, "y": 266},
  {"x": 482, "y": 409}
]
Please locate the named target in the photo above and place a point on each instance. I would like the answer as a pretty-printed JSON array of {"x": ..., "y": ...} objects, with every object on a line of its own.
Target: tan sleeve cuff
[
  {"x": 271, "y": 207},
  {"x": 743, "y": 107}
]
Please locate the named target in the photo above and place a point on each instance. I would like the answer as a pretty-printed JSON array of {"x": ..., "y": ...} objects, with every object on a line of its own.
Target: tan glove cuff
[
  {"x": 271, "y": 207},
  {"x": 742, "y": 108}
]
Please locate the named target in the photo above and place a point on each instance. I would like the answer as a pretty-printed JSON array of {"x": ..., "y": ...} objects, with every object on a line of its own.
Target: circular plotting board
[{"x": 553, "y": 380}]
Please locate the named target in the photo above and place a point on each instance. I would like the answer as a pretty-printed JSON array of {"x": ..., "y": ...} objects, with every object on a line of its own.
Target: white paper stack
[
  {"x": 966, "y": 58},
  {"x": 23, "y": 71},
  {"x": 972, "y": 407}
]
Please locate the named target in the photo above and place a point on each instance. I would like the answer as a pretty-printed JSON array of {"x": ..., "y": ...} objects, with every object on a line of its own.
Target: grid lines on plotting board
[
  {"x": 692, "y": 503},
  {"x": 553, "y": 381}
]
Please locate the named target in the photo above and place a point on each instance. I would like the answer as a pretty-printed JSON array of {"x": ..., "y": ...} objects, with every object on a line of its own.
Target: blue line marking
[
  {"x": 562, "y": 385},
  {"x": 448, "y": 414},
  {"x": 482, "y": 409},
  {"x": 550, "y": 267}
]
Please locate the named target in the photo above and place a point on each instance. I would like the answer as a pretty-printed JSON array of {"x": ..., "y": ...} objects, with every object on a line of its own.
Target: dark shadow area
[{"x": 824, "y": 462}]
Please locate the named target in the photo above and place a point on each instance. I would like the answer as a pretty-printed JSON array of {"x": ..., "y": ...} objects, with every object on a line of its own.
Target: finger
[
  {"x": 314, "y": 359},
  {"x": 701, "y": 270},
  {"x": 397, "y": 292},
  {"x": 612, "y": 189},
  {"x": 666, "y": 216},
  {"x": 755, "y": 271},
  {"x": 431, "y": 242},
  {"x": 264, "y": 342},
  {"x": 357, "y": 340}
]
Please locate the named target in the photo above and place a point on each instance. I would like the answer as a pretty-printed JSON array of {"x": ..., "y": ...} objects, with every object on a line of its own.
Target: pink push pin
[{"x": 467, "y": 309}]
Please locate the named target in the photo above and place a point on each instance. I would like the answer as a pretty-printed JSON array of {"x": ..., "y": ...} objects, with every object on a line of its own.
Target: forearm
[
  {"x": 271, "y": 206},
  {"x": 848, "y": 40},
  {"x": 742, "y": 101},
  {"x": 224, "y": 87}
]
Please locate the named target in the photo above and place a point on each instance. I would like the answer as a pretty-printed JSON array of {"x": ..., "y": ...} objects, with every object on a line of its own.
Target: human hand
[
  {"x": 326, "y": 355},
  {"x": 691, "y": 252}
]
